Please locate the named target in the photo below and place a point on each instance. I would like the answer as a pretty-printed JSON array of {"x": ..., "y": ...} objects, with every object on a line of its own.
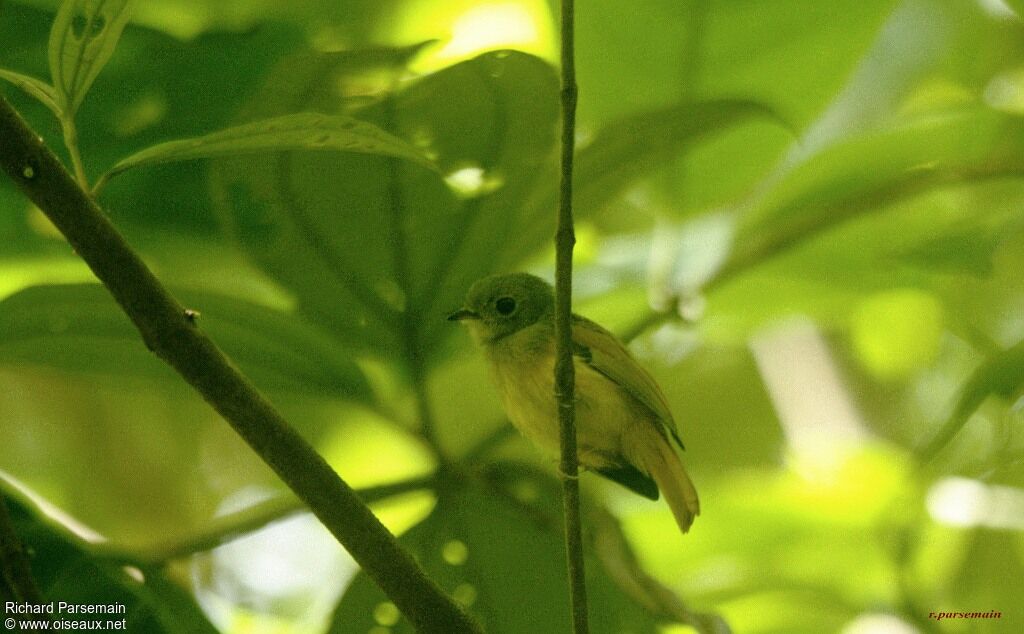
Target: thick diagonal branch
[{"x": 175, "y": 338}]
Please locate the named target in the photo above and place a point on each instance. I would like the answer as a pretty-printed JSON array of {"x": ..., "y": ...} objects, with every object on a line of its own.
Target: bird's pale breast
[{"x": 524, "y": 371}]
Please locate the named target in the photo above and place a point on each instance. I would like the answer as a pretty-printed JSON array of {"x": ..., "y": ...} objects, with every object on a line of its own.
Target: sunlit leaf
[
  {"x": 79, "y": 328},
  {"x": 788, "y": 53},
  {"x": 65, "y": 571},
  {"x": 84, "y": 36},
  {"x": 865, "y": 173},
  {"x": 38, "y": 88},
  {"x": 897, "y": 246},
  {"x": 988, "y": 553},
  {"x": 1016, "y": 5},
  {"x": 302, "y": 131},
  {"x": 641, "y": 145},
  {"x": 898, "y": 332},
  {"x": 622, "y": 565}
]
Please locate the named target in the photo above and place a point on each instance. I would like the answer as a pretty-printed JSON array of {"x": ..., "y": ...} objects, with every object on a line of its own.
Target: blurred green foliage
[{"x": 806, "y": 216}]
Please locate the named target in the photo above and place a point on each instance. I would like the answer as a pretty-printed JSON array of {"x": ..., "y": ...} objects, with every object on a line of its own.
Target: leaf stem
[
  {"x": 411, "y": 314},
  {"x": 167, "y": 331},
  {"x": 565, "y": 375},
  {"x": 999, "y": 374},
  {"x": 101, "y": 183},
  {"x": 67, "y": 124},
  {"x": 651, "y": 319},
  {"x": 502, "y": 432},
  {"x": 228, "y": 528}
]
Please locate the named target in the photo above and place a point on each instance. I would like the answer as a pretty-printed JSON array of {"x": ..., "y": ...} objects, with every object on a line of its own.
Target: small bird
[{"x": 623, "y": 422}]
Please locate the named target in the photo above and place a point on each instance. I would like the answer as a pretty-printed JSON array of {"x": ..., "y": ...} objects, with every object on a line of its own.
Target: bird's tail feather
[{"x": 665, "y": 467}]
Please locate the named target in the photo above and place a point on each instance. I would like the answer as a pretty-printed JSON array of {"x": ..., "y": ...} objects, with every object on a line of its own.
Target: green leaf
[
  {"x": 967, "y": 250},
  {"x": 787, "y": 53},
  {"x": 379, "y": 250},
  {"x": 1017, "y": 6},
  {"x": 504, "y": 560},
  {"x": 66, "y": 572},
  {"x": 79, "y": 328},
  {"x": 641, "y": 144},
  {"x": 301, "y": 131},
  {"x": 1000, "y": 375},
  {"x": 188, "y": 20},
  {"x": 174, "y": 606},
  {"x": 986, "y": 555},
  {"x": 84, "y": 36},
  {"x": 865, "y": 173},
  {"x": 37, "y": 88}
]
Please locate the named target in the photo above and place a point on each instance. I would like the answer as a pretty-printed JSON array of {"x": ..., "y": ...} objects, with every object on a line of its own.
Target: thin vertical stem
[{"x": 565, "y": 376}]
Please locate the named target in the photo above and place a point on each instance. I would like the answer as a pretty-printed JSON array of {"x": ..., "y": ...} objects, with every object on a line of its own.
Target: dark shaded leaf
[
  {"x": 66, "y": 572},
  {"x": 396, "y": 245},
  {"x": 79, "y": 328}
]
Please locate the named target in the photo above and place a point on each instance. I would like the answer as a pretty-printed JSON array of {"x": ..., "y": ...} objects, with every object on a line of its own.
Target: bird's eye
[{"x": 505, "y": 305}]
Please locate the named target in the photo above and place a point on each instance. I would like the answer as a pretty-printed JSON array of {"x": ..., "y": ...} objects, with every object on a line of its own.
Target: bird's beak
[{"x": 463, "y": 313}]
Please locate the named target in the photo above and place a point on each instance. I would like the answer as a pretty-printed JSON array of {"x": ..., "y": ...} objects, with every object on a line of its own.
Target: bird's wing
[{"x": 599, "y": 349}]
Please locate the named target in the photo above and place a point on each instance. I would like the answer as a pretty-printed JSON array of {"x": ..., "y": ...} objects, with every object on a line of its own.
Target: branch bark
[
  {"x": 565, "y": 374},
  {"x": 175, "y": 338}
]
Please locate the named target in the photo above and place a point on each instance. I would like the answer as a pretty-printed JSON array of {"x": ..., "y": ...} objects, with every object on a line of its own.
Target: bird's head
[{"x": 500, "y": 305}]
